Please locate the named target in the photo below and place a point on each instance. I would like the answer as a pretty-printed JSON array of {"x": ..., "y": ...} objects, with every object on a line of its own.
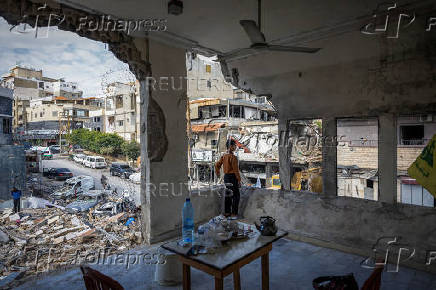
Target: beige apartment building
[
  {"x": 29, "y": 84},
  {"x": 357, "y": 157},
  {"x": 119, "y": 112}
]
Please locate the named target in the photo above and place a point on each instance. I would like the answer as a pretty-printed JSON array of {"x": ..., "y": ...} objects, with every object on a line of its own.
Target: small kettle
[{"x": 267, "y": 226}]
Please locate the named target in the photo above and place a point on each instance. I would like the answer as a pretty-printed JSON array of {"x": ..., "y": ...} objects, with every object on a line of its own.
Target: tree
[{"x": 131, "y": 149}]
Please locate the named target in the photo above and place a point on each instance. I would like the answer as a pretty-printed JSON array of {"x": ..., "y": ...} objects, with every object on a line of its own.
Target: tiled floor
[{"x": 293, "y": 265}]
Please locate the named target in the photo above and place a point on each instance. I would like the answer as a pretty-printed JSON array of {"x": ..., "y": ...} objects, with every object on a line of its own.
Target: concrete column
[
  {"x": 285, "y": 149},
  {"x": 329, "y": 157},
  {"x": 268, "y": 174},
  {"x": 163, "y": 116},
  {"x": 387, "y": 158}
]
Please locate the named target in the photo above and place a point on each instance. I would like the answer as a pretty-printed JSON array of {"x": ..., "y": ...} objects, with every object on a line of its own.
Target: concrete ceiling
[
  {"x": 215, "y": 24},
  {"x": 212, "y": 27}
]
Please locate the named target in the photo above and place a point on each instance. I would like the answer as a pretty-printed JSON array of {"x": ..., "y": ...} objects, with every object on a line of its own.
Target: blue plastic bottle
[{"x": 188, "y": 221}]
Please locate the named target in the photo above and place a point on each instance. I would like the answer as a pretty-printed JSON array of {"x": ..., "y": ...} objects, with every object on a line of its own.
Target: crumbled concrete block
[
  {"x": 39, "y": 232},
  {"x": 75, "y": 221},
  {"x": 58, "y": 240},
  {"x": 53, "y": 220},
  {"x": 4, "y": 238},
  {"x": 115, "y": 218},
  {"x": 58, "y": 227},
  {"x": 14, "y": 217}
]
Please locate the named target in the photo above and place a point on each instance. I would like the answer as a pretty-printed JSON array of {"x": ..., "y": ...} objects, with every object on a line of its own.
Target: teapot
[{"x": 267, "y": 226}]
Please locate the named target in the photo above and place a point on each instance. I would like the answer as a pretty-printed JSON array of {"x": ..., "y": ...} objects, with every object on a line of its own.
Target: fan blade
[
  {"x": 239, "y": 53},
  {"x": 253, "y": 32},
  {"x": 293, "y": 48}
]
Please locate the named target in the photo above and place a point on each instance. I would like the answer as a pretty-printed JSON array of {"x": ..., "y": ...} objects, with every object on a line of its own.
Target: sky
[{"x": 62, "y": 54}]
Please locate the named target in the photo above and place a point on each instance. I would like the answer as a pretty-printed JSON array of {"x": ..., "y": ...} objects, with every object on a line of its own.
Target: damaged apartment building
[
  {"x": 12, "y": 158},
  {"x": 249, "y": 120},
  {"x": 365, "y": 75}
]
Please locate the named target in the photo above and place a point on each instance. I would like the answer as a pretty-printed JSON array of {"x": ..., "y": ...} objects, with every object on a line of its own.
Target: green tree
[{"x": 131, "y": 149}]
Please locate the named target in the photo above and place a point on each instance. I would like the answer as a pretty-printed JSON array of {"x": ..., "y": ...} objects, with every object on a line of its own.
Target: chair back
[{"x": 94, "y": 280}]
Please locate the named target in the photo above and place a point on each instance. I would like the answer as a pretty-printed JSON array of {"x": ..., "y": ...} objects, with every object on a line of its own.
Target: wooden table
[{"x": 228, "y": 259}]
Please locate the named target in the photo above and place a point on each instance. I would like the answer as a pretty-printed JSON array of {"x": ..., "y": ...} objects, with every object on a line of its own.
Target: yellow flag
[{"x": 424, "y": 167}]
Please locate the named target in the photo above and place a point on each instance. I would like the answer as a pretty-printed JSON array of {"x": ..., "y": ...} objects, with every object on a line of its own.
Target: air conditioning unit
[{"x": 426, "y": 118}]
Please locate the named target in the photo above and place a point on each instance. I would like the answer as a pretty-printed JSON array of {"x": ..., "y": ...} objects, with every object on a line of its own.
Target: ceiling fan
[{"x": 259, "y": 43}]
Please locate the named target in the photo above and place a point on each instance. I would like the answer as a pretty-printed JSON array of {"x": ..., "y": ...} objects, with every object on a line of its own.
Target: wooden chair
[
  {"x": 94, "y": 280},
  {"x": 374, "y": 281}
]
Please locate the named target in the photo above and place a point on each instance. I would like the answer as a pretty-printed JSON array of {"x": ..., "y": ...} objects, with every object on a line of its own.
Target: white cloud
[{"x": 62, "y": 54}]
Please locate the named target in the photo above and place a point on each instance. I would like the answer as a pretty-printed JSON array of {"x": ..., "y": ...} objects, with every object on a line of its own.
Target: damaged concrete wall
[
  {"x": 346, "y": 223},
  {"x": 354, "y": 75},
  {"x": 165, "y": 186},
  {"x": 13, "y": 173}
]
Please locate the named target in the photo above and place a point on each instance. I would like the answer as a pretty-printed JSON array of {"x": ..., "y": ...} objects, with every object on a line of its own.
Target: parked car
[
  {"x": 121, "y": 170},
  {"x": 79, "y": 158},
  {"x": 55, "y": 149},
  {"x": 57, "y": 173},
  {"x": 77, "y": 149},
  {"x": 135, "y": 178},
  {"x": 76, "y": 185},
  {"x": 46, "y": 154},
  {"x": 95, "y": 162}
]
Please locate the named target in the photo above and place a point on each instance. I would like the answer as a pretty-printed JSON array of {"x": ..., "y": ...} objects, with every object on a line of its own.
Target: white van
[{"x": 95, "y": 162}]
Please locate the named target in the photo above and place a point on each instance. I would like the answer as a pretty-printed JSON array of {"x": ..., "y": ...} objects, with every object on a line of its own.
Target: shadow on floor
[{"x": 293, "y": 265}]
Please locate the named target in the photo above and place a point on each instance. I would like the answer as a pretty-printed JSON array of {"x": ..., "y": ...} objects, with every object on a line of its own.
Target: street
[{"x": 120, "y": 184}]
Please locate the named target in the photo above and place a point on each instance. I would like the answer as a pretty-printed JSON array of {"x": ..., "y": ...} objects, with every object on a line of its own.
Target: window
[
  {"x": 121, "y": 123},
  {"x": 412, "y": 135},
  {"x": 81, "y": 113},
  {"x": 208, "y": 68},
  {"x": 40, "y": 114},
  {"x": 305, "y": 143},
  {"x": 209, "y": 84},
  {"x": 7, "y": 126},
  {"x": 119, "y": 102},
  {"x": 213, "y": 142},
  {"x": 357, "y": 157}
]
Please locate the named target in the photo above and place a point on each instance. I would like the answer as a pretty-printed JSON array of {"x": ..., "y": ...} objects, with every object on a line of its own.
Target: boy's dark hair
[
  {"x": 230, "y": 142},
  {"x": 14, "y": 188}
]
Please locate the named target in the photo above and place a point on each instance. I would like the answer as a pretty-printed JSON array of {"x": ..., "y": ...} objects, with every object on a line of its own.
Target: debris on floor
[{"x": 47, "y": 235}]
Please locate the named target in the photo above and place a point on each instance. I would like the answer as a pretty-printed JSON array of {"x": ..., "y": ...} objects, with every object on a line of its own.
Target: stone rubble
[{"x": 41, "y": 239}]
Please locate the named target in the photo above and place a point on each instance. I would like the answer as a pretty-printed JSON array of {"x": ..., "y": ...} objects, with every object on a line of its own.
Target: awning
[
  {"x": 207, "y": 127},
  {"x": 408, "y": 180}
]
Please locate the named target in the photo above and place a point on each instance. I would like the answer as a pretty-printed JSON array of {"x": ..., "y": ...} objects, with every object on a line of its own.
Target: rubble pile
[{"x": 41, "y": 239}]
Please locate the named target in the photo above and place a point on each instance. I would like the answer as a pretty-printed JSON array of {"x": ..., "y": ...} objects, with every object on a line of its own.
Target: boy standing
[
  {"x": 232, "y": 179},
  {"x": 16, "y": 195}
]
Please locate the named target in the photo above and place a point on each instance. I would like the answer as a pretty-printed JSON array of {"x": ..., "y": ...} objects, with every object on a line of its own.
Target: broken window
[
  {"x": 119, "y": 102},
  {"x": 414, "y": 133},
  {"x": 7, "y": 126},
  {"x": 357, "y": 157},
  {"x": 305, "y": 150}
]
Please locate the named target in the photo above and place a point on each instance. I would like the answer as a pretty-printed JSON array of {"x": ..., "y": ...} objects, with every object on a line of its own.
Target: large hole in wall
[
  {"x": 357, "y": 157},
  {"x": 218, "y": 112},
  {"x": 304, "y": 148},
  {"x": 414, "y": 133}
]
